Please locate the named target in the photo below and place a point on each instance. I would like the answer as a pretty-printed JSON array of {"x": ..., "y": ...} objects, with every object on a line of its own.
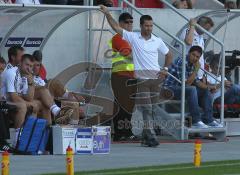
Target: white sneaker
[
  {"x": 215, "y": 124},
  {"x": 199, "y": 125}
]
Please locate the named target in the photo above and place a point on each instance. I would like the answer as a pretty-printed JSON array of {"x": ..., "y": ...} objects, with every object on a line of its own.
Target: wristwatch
[{"x": 165, "y": 68}]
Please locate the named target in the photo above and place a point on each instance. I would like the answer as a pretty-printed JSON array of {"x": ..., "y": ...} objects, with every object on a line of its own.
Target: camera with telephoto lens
[{"x": 231, "y": 60}]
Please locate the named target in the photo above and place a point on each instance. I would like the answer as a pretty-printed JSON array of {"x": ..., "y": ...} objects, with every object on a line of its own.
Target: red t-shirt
[
  {"x": 123, "y": 47},
  {"x": 43, "y": 72},
  {"x": 120, "y": 45}
]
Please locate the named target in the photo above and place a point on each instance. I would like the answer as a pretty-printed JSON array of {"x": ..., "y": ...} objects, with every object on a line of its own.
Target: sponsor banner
[
  {"x": 13, "y": 41},
  {"x": 33, "y": 42}
]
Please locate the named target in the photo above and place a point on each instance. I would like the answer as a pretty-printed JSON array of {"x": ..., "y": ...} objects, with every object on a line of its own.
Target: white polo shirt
[
  {"x": 145, "y": 54},
  {"x": 198, "y": 40},
  {"x": 213, "y": 81},
  {"x": 12, "y": 82}
]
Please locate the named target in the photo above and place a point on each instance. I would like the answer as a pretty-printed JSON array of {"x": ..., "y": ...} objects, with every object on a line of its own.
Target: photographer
[{"x": 232, "y": 91}]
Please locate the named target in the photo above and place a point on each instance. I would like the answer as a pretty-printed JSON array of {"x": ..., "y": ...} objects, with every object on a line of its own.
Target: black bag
[{"x": 4, "y": 122}]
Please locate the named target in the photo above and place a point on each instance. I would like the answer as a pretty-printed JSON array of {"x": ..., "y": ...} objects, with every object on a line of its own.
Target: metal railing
[{"x": 222, "y": 54}]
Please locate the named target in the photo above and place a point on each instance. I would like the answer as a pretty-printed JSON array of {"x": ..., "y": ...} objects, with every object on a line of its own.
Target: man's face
[
  {"x": 206, "y": 26},
  {"x": 147, "y": 27},
  {"x": 183, "y": 4},
  {"x": 214, "y": 68},
  {"x": 36, "y": 68},
  {"x": 194, "y": 57},
  {"x": 17, "y": 59},
  {"x": 27, "y": 66},
  {"x": 127, "y": 24}
]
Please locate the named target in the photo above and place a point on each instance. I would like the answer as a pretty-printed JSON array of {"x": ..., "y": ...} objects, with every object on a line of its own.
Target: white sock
[
  {"x": 17, "y": 131},
  {"x": 65, "y": 95},
  {"x": 55, "y": 110},
  {"x": 73, "y": 122}
]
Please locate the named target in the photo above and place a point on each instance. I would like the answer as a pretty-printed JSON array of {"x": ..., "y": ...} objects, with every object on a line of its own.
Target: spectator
[
  {"x": 145, "y": 48},
  {"x": 37, "y": 54},
  {"x": 197, "y": 92},
  {"x": 183, "y": 4},
  {"x": 193, "y": 36},
  {"x": 230, "y": 4},
  {"x": 107, "y": 3},
  {"x": 232, "y": 91}
]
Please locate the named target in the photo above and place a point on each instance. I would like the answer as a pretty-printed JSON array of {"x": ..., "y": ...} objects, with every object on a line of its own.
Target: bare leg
[
  {"x": 20, "y": 114},
  {"x": 35, "y": 104},
  {"x": 46, "y": 114},
  {"x": 44, "y": 96}
]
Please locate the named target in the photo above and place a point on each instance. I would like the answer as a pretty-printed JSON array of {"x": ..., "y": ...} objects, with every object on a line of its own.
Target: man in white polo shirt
[
  {"x": 194, "y": 37},
  {"x": 145, "y": 48}
]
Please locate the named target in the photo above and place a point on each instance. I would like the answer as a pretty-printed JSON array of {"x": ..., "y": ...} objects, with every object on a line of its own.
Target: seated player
[{"x": 57, "y": 90}]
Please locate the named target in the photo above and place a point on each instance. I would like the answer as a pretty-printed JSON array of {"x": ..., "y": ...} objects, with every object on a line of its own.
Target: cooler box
[
  {"x": 95, "y": 140},
  {"x": 62, "y": 137}
]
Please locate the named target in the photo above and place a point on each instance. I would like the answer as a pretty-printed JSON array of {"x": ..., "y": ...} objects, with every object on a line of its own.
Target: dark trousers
[
  {"x": 4, "y": 128},
  {"x": 123, "y": 89}
]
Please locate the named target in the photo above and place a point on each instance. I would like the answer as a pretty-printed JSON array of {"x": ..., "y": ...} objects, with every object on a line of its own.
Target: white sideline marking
[{"x": 163, "y": 169}]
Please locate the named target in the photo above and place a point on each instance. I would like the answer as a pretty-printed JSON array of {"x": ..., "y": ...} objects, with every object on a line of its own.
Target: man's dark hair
[
  {"x": 124, "y": 16},
  {"x": 37, "y": 54},
  {"x": 205, "y": 20},
  {"x": 145, "y": 18},
  {"x": 215, "y": 60},
  {"x": 27, "y": 57},
  {"x": 196, "y": 48},
  {"x": 12, "y": 51},
  {"x": 2, "y": 61}
]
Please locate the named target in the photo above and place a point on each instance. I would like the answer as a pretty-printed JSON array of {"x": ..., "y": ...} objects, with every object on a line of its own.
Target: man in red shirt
[{"x": 122, "y": 72}]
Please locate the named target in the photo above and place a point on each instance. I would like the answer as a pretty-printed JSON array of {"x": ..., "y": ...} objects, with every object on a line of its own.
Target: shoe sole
[{"x": 66, "y": 116}]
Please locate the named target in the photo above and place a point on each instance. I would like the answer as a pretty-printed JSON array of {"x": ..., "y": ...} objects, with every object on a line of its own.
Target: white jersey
[
  {"x": 12, "y": 82},
  {"x": 38, "y": 81}
]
